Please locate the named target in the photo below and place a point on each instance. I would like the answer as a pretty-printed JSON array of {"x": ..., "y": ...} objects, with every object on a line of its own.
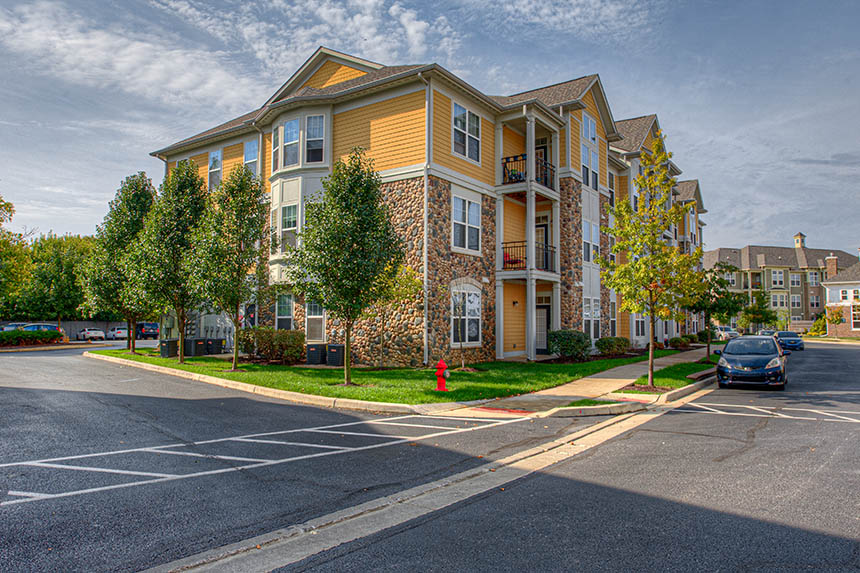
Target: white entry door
[{"x": 542, "y": 323}]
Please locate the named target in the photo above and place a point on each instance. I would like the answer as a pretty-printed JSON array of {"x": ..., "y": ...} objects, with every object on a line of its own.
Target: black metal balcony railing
[
  {"x": 514, "y": 170},
  {"x": 514, "y": 254}
]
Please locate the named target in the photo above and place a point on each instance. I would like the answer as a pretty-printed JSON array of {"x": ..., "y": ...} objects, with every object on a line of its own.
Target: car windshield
[
  {"x": 787, "y": 335},
  {"x": 750, "y": 346}
]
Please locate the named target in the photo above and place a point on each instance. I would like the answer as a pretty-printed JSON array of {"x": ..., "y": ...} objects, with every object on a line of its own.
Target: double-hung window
[
  {"x": 815, "y": 301},
  {"x": 795, "y": 280},
  {"x": 639, "y": 325},
  {"x": 611, "y": 181},
  {"x": 813, "y": 278},
  {"x": 777, "y": 300},
  {"x": 778, "y": 278},
  {"x": 288, "y": 225},
  {"x": 590, "y": 158},
  {"x": 465, "y": 316},
  {"x": 856, "y": 294},
  {"x": 855, "y": 317},
  {"x": 214, "y": 169},
  {"x": 291, "y": 142},
  {"x": 276, "y": 149},
  {"x": 314, "y": 322},
  {"x": 586, "y": 316},
  {"x": 467, "y": 133},
  {"x": 595, "y": 318},
  {"x": 613, "y": 316},
  {"x": 284, "y": 312},
  {"x": 795, "y": 301},
  {"x": 843, "y": 294},
  {"x": 314, "y": 138},
  {"x": 251, "y": 154},
  {"x": 730, "y": 278},
  {"x": 590, "y": 241},
  {"x": 636, "y": 201},
  {"x": 612, "y": 251},
  {"x": 466, "y": 218}
]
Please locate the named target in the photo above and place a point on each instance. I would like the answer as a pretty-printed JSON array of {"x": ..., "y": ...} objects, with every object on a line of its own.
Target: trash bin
[
  {"x": 315, "y": 354},
  {"x": 195, "y": 347},
  {"x": 169, "y": 347},
  {"x": 334, "y": 355},
  {"x": 214, "y": 345}
]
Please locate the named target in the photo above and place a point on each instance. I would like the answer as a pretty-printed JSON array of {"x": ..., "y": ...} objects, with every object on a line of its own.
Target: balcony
[
  {"x": 514, "y": 170},
  {"x": 514, "y": 254}
]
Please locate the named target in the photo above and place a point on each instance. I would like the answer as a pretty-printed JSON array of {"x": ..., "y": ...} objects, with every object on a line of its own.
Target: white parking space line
[
  {"x": 777, "y": 414},
  {"x": 210, "y": 456},
  {"x": 375, "y": 423},
  {"x": 703, "y": 407},
  {"x": 279, "y": 443},
  {"x": 26, "y": 494},
  {"x": 92, "y": 469},
  {"x": 823, "y": 413},
  {"x": 339, "y": 433},
  {"x": 256, "y": 463},
  {"x": 765, "y": 412}
]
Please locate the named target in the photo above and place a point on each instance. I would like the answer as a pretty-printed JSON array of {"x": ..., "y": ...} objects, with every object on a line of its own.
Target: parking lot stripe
[
  {"x": 408, "y": 425},
  {"x": 823, "y": 413},
  {"x": 777, "y": 414},
  {"x": 210, "y": 456},
  {"x": 27, "y": 494},
  {"x": 92, "y": 469},
  {"x": 277, "y": 442},
  {"x": 338, "y": 433}
]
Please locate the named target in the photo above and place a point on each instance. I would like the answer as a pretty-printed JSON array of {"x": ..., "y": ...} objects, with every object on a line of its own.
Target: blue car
[
  {"x": 752, "y": 360},
  {"x": 789, "y": 340}
]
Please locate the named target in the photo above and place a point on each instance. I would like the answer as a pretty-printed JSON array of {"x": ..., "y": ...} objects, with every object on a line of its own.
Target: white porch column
[
  {"x": 556, "y": 306},
  {"x": 530, "y": 148},
  {"x": 556, "y": 234},
  {"x": 500, "y": 231},
  {"x": 500, "y": 319},
  {"x": 531, "y": 322},
  {"x": 499, "y": 145},
  {"x": 555, "y": 160}
]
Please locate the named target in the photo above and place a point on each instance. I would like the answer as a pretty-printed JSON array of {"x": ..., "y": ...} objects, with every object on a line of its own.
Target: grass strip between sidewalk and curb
[
  {"x": 406, "y": 386},
  {"x": 674, "y": 376}
]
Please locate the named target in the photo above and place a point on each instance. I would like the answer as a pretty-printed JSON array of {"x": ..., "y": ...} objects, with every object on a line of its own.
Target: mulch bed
[{"x": 651, "y": 389}]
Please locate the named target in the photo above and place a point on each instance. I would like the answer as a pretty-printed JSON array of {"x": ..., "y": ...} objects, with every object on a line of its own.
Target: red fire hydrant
[{"x": 441, "y": 376}]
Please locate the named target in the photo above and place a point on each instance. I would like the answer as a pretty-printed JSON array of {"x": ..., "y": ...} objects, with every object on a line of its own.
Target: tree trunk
[
  {"x": 708, "y": 337},
  {"x": 180, "y": 320},
  {"x": 347, "y": 367},
  {"x": 651, "y": 352},
  {"x": 128, "y": 338},
  {"x": 236, "y": 339}
]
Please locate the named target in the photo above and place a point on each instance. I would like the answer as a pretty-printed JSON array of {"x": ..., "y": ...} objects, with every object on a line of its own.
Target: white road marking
[
  {"x": 777, "y": 414},
  {"x": 277, "y": 442},
  {"x": 703, "y": 407},
  {"x": 92, "y": 469},
  {"x": 765, "y": 413},
  {"x": 823, "y": 413},
  {"x": 770, "y": 410},
  {"x": 27, "y": 494},
  {"x": 410, "y": 425},
  {"x": 339, "y": 433},
  {"x": 172, "y": 477},
  {"x": 211, "y": 456}
]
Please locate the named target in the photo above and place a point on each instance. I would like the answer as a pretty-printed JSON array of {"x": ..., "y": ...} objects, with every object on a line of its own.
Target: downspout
[{"x": 428, "y": 139}]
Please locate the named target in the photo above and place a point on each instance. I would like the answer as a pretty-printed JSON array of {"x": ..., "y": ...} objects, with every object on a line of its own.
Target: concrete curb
[
  {"x": 581, "y": 411},
  {"x": 686, "y": 390},
  {"x": 296, "y": 397},
  {"x": 842, "y": 342},
  {"x": 53, "y": 347}
]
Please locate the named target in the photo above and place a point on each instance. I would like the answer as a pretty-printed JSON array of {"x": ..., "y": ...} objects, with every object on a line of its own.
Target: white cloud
[{"x": 76, "y": 50}]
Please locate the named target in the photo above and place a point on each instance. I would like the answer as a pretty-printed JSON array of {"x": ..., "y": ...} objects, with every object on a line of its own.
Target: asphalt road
[
  {"x": 172, "y": 496},
  {"x": 740, "y": 480}
]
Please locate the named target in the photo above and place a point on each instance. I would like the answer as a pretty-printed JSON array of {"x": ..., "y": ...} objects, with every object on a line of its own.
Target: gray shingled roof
[
  {"x": 687, "y": 190},
  {"x": 234, "y": 123},
  {"x": 753, "y": 257},
  {"x": 553, "y": 95},
  {"x": 850, "y": 274},
  {"x": 634, "y": 131}
]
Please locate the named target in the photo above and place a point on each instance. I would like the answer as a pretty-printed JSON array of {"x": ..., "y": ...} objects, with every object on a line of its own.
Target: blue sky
[{"x": 759, "y": 100}]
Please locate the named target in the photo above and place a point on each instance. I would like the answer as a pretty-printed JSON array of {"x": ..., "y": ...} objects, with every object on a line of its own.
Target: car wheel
[
  {"x": 722, "y": 385},
  {"x": 779, "y": 388}
]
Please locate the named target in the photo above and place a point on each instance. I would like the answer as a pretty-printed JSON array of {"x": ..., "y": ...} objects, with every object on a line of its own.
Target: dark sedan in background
[
  {"x": 789, "y": 340},
  {"x": 752, "y": 360}
]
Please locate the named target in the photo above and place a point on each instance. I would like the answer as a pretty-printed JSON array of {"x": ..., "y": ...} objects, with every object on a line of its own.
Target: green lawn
[
  {"x": 589, "y": 402},
  {"x": 402, "y": 385},
  {"x": 676, "y": 376}
]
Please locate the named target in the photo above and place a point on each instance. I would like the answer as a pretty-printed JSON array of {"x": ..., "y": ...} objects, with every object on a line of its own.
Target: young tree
[
  {"x": 108, "y": 279},
  {"x": 715, "y": 299},
  {"x": 655, "y": 278},
  {"x": 348, "y": 246},
  {"x": 163, "y": 256},
  {"x": 228, "y": 243},
  {"x": 391, "y": 290},
  {"x": 15, "y": 264},
  {"x": 54, "y": 288},
  {"x": 834, "y": 316},
  {"x": 757, "y": 311}
]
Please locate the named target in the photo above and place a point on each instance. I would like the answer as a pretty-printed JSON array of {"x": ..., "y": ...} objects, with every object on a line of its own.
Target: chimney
[
  {"x": 832, "y": 265},
  {"x": 799, "y": 241}
]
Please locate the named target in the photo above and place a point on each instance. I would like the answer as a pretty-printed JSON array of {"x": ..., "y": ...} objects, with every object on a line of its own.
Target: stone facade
[{"x": 571, "y": 253}]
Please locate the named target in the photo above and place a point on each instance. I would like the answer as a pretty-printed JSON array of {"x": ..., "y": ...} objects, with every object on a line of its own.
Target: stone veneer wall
[
  {"x": 444, "y": 266},
  {"x": 571, "y": 253}
]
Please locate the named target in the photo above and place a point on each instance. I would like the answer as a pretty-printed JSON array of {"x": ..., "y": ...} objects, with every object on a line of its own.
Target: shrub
[
  {"x": 291, "y": 345},
  {"x": 284, "y": 346},
  {"x": 622, "y": 345},
  {"x": 657, "y": 346},
  {"x": 702, "y": 335},
  {"x": 572, "y": 344},
  {"x": 28, "y": 337},
  {"x": 612, "y": 345},
  {"x": 690, "y": 338},
  {"x": 246, "y": 339},
  {"x": 678, "y": 342},
  {"x": 819, "y": 326}
]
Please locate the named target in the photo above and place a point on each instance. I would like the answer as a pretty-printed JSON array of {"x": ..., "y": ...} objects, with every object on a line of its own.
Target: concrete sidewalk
[{"x": 592, "y": 387}]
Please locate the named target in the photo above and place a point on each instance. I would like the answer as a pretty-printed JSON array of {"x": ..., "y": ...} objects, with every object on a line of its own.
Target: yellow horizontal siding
[
  {"x": 171, "y": 165},
  {"x": 442, "y": 145},
  {"x": 562, "y": 138},
  {"x": 392, "y": 131},
  {"x": 604, "y": 162},
  {"x": 512, "y": 143},
  {"x": 202, "y": 163},
  {"x": 231, "y": 157},
  {"x": 515, "y": 317},
  {"x": 331, "y": 73},
  {"x": 514, "y": 221},
  {"x": 591, "y": 109},
  {"x": 621, "y": 187},
  {"x": 575, "y": 133},
  {"x": 266, "y": 161}
]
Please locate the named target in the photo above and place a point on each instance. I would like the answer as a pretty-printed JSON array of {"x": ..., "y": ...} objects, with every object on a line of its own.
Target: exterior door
[
  {"x": 541, "y": 235},
  {"x": 542, "y": 321},
  {"x": 540, "y": 165}
]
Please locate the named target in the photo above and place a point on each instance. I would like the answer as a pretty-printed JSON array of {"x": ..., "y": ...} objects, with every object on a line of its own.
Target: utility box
[
  {"x": 169, "y": 347},
  {"x": 214, "y": 345},
  {"x": 195, "y": 347},
  {"x": 334, "y": 355},
  {"x": 315, "y": 354}
]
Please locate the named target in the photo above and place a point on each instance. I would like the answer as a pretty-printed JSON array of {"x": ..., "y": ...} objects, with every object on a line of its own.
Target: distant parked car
[
  {"x": 726, "y": 333},
  {"x": 145, "y": 330},
  {"x": 90, "y": 334},
  {"x": 752, "y": 360},
  {"x": 766, "y": 332},
  {"x": 789, "y": 340},
  {"x": 117, "y": 333},
  {"x": 41, "y": 326},
  {"x": 13, "y": 326}
]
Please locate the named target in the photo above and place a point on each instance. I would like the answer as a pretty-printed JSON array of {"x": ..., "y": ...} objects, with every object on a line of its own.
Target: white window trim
[
  {"x": 282, "y": 228},
  {"x": 276, "y": 149},
  {"x": 469, "y": 197},
  {"x": 308, "y": 316},
  {"x": 773, "y": 275},
  {"x": 256, "y": 159},
  {"x": 220, "y": 169},
  {"x": 291, "y": 316},
  {"x": 468, "y": 135},
  {"x": 796, "y": 298},
  {"x": 815, "y": 282},
  {"x": 791, "y": 278},
  {"x": 467, "y": 289},
  {"x": 592, "y": 147},
  {"x": 308, "y": 139},
  {"x": 853, "y": 306},
  {"x": 297, "y": 142}
]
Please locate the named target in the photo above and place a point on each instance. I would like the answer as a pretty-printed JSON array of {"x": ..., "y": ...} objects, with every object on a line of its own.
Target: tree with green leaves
[
  {"x": 833, "y": 315},
  {"x": 393, "y": 289},
  {"x": 655, "y": 278},
  {"x": 162, "y": 269},
  {"x": 757, "y": 311},
  {"x": 15, "y": 263},
  {"x": 348, "y": 246},
  {"x": 714, "y": 299},
  {"x": 108, "y": 277},
  {"x": 54, "y": 287},
  {"x": 232, "y": 234}
]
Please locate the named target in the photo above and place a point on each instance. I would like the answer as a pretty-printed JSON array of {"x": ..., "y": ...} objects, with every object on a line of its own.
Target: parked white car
[
  {"x": 726, "y": 333},
  {"x": 117, "y": 333},
  {"x": 13, "y": 326},
  {"x": 90, "y": 334}
]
